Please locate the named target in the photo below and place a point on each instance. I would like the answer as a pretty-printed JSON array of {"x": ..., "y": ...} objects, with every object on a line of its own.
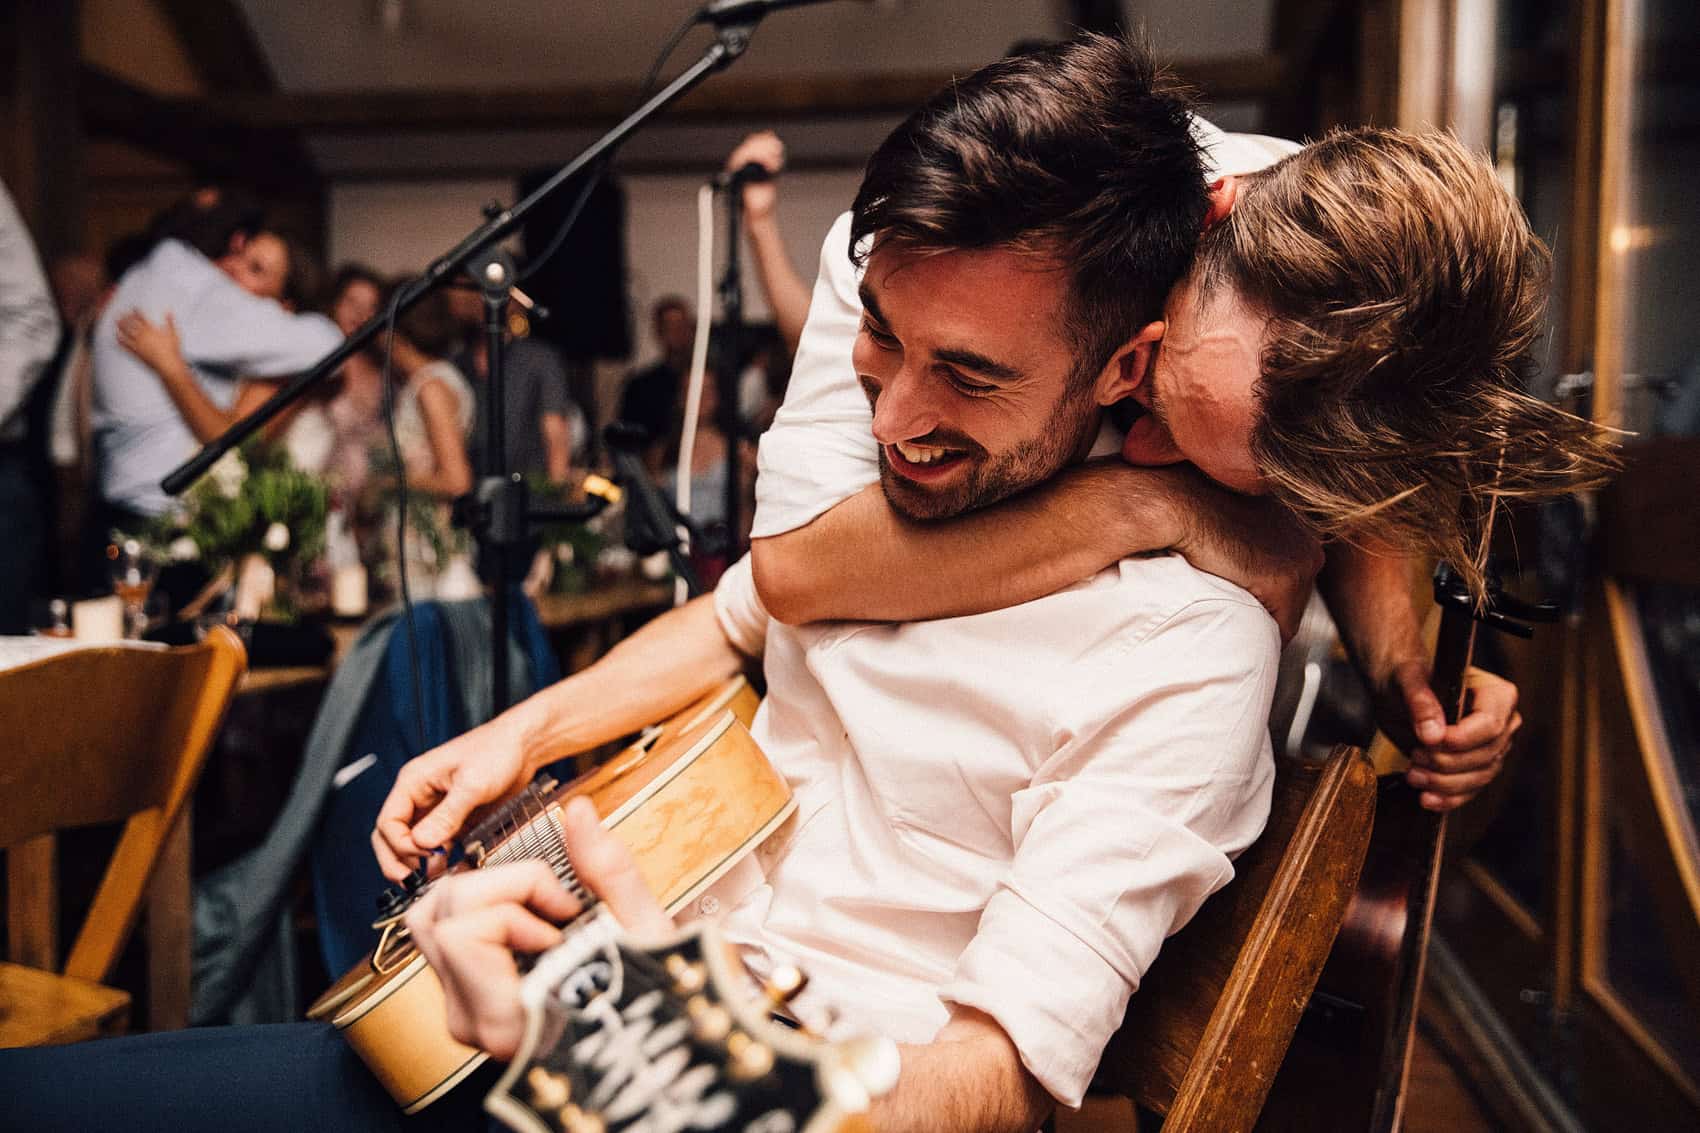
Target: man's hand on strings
[
  {"x": 435, "y": 792},
  {"x": 1451, "y": 764},
  {"x": 471, "y": 925}
]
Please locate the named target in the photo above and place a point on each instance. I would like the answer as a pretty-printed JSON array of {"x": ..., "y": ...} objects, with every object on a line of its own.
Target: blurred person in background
[
  {"x": 213, "y": 281},
  {"x": 543, "y": 428},
  {"x": 650, "y": 399},
  {"x": 786, "y": 291},
  {"x": 708, "y": 477},
  {"x": 80, "y": 289},
  {"x": 29, "y": 334},
  {"x": 433, "y": 413}
]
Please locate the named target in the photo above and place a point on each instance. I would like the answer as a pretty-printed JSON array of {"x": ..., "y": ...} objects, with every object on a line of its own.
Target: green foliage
[
  {"x": 232, "y": 509},
  {"x": 582, "y": 544}
]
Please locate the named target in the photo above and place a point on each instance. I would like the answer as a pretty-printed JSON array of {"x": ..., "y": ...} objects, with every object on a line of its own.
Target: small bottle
[{"x": 58, "y": 619}]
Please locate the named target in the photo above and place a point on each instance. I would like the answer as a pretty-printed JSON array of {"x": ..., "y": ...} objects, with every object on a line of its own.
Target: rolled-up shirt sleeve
[
  {"x": 743, "y": 619},
  {"x": 1161, "y": 774},
  {"x": 819, "y": 450}
]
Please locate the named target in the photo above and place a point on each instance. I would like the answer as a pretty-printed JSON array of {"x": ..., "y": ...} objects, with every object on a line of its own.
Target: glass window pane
[
  {"x": 1670, "y": 623},
  {"x": 1657, "y": 234},
  {"x": 1638, "y": 964}
]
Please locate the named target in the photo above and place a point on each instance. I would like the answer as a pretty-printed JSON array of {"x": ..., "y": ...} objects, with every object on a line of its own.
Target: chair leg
[
  {"x": 32, "y": 903},
  {"x": 169, "y": 932}
]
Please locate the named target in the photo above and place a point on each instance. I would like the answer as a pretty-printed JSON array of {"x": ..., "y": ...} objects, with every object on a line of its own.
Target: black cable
[
  {"x": 593, "y": 177},
  {"x": 401, "y": 514}
]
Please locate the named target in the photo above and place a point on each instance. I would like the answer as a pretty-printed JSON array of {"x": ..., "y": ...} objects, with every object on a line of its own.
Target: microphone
[
  {"x": 719, "y": 12},
  {"x": 743, "y": 175}
]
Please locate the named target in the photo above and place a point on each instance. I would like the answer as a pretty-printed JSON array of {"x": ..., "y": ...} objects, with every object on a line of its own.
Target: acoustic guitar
[
  {"x": 621, "y": 1038},
  {"x": 689, "y": 798},
  {"x": 1350, "y": 1058}
]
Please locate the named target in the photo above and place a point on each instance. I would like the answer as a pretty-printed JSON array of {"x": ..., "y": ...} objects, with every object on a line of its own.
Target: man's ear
[
  {"x": 1224, "y": 193},
  {"x": 1128, "y": 367},
  {"x": 238, "y": 241}
]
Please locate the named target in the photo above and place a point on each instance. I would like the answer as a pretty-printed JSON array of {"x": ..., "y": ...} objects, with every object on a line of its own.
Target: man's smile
[{"x": 923, "y": 463}]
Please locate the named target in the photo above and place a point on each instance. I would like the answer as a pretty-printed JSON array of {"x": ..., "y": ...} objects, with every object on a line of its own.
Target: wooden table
[{"x": 598, "y": 614}]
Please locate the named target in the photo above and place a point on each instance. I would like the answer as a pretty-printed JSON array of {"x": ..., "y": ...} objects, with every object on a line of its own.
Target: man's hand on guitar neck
[
  {"x": 1370, "y": 597},
  {"x": 1452, "y": 763},
  {"x": 470, "y": 925}
]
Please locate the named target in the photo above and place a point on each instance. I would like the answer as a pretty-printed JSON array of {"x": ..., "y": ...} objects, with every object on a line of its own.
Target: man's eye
[
  {"x": 967, "y": 385},
  {"x": 880, "y": 336}
]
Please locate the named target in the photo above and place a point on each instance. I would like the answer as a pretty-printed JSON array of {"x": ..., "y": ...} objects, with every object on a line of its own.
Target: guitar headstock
[
  {"x": 662, "y": 1038},
  {"x": 1497, "y": 610}
]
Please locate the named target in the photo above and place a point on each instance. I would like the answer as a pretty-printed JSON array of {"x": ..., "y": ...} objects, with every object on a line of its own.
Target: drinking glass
[{"x": 134, "y": 569}]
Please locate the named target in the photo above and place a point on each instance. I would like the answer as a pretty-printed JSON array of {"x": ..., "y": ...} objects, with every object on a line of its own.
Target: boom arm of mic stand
[{"x": 730, "y": 41}]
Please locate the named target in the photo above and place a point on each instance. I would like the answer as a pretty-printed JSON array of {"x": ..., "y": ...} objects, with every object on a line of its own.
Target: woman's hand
[{"x": 156, "y": 345}]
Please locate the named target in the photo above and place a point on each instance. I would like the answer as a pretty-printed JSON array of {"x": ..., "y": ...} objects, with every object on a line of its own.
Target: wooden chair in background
[
  {"x": 1210, "y": 1024},
  {"x": 103, "y": 736}
]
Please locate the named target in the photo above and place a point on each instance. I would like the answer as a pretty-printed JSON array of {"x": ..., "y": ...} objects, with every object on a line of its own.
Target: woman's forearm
[
  {"x": 205, "y": 419},
  {"x": 787, "y": 293},
  {"x": 863, "y": 560}
]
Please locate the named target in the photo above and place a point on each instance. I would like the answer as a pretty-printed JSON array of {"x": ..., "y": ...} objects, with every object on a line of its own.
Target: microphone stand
[
  {"x": 731, "y": 296},
  {"x": 499, "y": 501}
]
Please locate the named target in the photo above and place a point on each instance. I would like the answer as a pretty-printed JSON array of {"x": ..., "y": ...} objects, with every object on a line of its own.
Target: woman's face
[
  {"x": 261, "y": 267},
  {"x": 355, "y": 306}
]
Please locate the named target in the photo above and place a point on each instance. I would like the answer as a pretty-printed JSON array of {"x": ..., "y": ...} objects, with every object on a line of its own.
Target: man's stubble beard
[{"x": 1030, "y": 463}]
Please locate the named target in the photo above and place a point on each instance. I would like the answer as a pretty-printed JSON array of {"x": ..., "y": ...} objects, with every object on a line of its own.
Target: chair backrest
[
  {"x": 102, "y": 736},
  {"x": 1210, "y": 1023}
]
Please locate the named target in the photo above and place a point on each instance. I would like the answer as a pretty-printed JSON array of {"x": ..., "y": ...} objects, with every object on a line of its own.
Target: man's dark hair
[
  {"x": 207, "y": 219},
  {"x": 1080, "y": 154},
  {"x": 125, "y": 253}
]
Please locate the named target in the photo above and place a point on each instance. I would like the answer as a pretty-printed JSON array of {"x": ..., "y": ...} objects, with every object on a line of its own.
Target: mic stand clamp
[{"x": 652, "y": 522}]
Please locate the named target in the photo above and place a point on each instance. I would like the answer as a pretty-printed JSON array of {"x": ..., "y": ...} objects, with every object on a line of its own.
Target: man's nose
[{"x": 902, "y": 408}]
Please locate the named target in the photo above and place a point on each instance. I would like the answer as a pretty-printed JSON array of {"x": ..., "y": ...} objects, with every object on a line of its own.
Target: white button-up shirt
[{"x": 1009, "y": 811}]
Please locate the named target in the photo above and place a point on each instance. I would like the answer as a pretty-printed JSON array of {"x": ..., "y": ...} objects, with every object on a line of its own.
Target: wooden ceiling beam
[
  {"x": 224, "y": 51},
  {"x": 1226, "y": 79},
  {"x": 214, "y": 146},
  {"x": 221, "y": 45}
]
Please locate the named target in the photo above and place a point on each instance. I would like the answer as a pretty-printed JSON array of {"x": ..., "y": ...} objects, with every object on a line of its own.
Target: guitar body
[{"x": 690, "y": 799}]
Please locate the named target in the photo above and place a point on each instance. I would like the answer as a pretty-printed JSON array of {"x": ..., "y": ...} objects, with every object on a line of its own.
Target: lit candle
[
  {"x": 98, "y": 619},
  {"x": 348, "y": 591}
]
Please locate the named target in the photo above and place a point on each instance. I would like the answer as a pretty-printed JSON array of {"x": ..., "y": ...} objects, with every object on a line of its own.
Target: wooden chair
[
  {"x": 1209, "y": 1026},
  {"x": 103, "y": 736}
]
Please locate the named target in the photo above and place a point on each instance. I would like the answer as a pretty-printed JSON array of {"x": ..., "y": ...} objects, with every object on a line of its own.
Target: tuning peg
[
  {"x": 874, "y": 1061},
  {"x": 688, "y": 978},
  {"x": 549, "y": 1090},
  {"x": 575, "y": 1120},
  {"x": 1513, "y": 606},
  {"x": 1496, "y": 620},
  {"x": 750, "y": 1059},
  {"x": 784, "y": 984},
  {"x": 710, "y": 1022}
]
